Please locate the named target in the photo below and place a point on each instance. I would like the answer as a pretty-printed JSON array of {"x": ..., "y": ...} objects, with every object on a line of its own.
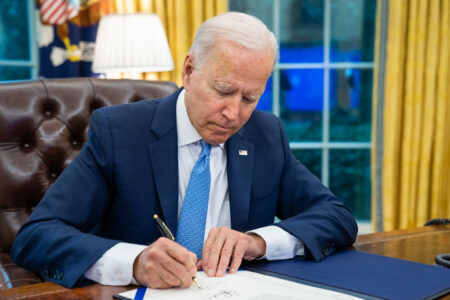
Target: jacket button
[
  {"x": 328, "y": 249},
  {"x": 59, "y": 275}
]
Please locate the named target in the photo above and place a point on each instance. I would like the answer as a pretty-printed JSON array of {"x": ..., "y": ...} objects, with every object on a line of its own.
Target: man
[{"x": 215, "y": 170}]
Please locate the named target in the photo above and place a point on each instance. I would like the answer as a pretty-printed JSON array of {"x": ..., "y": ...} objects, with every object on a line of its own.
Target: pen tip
[
  {"x": 196, "y": 282},
  {"x": 155, "y": 216}
]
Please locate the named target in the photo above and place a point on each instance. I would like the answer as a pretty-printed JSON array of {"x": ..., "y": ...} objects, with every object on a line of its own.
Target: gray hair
[{"x": 235, "y": 27}]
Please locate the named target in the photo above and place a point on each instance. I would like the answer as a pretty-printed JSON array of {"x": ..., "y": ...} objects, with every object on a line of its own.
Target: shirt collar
[{"x": 187, "y": 134}]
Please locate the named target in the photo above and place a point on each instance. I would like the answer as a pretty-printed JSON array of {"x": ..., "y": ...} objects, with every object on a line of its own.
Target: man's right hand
[{"x": 164, "y": 264}]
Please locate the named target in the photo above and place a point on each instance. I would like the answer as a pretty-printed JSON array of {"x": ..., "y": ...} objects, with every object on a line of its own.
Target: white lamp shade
[{"x": 131, "y": 43}]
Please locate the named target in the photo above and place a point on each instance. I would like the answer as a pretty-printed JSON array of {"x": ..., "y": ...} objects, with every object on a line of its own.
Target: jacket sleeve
[
  {"x": 57, "y": 242},
  {"x": 310, "y": 211}
]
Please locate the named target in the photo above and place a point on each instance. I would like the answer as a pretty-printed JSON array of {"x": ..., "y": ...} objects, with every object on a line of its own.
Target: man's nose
[{"x": 231, "y": 110}]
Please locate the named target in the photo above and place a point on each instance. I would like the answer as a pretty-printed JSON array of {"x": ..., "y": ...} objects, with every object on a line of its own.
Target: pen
[{"x": 165, "y": 231}]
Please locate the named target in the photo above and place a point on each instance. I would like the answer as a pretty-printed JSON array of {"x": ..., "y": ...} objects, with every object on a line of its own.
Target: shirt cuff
[
  {"x": 279, "y": 243},
  {"x": 115, "y": 267}
]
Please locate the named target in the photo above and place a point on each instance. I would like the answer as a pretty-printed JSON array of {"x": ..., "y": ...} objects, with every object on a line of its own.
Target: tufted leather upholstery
[{"x": 43, "y": 125}]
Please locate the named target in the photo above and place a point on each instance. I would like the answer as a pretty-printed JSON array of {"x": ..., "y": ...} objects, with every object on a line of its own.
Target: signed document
[{"x": 242, "y": 285}]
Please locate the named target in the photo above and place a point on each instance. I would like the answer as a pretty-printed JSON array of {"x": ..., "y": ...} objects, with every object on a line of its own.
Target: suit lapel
[
  {"x": 164, "y": 158},
  {"x": 239, "y": 170}
]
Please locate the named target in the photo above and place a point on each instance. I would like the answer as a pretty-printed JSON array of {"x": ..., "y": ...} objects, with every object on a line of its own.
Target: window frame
[
  {"x": 325, "y": 145},
  {"x": 32, "y": 63}
]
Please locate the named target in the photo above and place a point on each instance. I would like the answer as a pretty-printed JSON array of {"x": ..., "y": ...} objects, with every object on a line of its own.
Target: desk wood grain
[
  {"x": 52, "y": 291},
  {"x": 419, "y": 245}
]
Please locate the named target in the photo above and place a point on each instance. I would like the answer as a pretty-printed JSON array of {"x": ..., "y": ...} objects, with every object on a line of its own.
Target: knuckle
[
  {"x": 236, "y": 261},
  {"x": 185, "y": 254},
  {"x": 243, "y": 247},
  {"x": 227, "y": 251},
  {"x": 206, "y": 247},
  {"x": 215, "y": 250},
  {"x": 164, "y": 243},
  {"x": 211, "y": 234},
  {"x": 153, "y": 254},
  {"x": 159, "y": 244},
  {"x": 241, "y": 238},
  {"x": 149, "y": 267},
  {"x": 160, "y": 240},
  {"x": 239, "y": 253},
  {"x": 224, "y": 230}
]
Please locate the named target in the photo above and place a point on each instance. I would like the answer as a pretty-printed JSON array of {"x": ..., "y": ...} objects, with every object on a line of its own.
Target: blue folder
[{"x": 363, "y": 274}]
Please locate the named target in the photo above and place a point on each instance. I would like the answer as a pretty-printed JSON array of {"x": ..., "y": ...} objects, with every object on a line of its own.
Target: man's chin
[{"x": 217, "y": 139}]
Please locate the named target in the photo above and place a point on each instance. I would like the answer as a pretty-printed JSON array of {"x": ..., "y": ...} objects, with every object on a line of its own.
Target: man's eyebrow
[
  {"x": 225, "y": 87},
  {"x": 253, "y": 97},
  {"x": 228, "y": 88}
]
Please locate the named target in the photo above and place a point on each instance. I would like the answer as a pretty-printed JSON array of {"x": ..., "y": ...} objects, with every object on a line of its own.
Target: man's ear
[{"x": 188, "y": 68}]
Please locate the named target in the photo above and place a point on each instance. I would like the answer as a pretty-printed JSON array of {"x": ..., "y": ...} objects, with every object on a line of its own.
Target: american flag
[{"x": 57, "y": 11}]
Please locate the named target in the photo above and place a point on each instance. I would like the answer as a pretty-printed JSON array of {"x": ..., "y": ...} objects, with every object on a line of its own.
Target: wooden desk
[{"x": 420, "y": 245}]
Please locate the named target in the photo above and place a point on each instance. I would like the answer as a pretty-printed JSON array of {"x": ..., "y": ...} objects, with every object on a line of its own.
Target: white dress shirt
[{"x": 115, "y": 267}]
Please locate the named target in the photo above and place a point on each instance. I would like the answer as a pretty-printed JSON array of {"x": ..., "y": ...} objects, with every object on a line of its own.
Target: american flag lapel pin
[{"x": 243, "y": 152}]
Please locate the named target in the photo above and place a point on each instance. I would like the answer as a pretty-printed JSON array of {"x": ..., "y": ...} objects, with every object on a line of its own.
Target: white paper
[{"x": 242, "y": 285}]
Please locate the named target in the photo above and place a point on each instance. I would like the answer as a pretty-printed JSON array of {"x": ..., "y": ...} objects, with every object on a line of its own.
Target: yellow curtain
[
  {"x": 181, "y": 19},
  {"x": 416, "y": 115}
]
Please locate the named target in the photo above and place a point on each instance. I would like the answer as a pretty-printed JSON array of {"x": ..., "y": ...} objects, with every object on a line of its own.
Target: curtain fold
[
  {"x": 416, "y": 114},
  {"x": 180, "y": 19}
]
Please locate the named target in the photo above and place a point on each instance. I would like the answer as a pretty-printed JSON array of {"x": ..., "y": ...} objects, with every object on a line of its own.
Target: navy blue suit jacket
[{"x": 128, "y": 170}]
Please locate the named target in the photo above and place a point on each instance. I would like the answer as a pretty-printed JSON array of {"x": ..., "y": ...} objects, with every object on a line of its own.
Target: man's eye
[
  {"x": 248, "y": 100},
  {"x": 221, "y": 93}
]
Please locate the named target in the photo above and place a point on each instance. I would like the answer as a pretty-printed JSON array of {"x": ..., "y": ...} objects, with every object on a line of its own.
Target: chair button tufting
[
  {"x": 74, "y": 143},
  {"x": 26, "y": 145},
  {"x": 48, "y": 113},
  {"x": 53, "y": 175}
]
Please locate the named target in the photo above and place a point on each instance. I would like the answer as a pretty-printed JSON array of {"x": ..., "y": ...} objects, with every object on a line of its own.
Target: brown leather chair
[{"x": 43, "y": 125}]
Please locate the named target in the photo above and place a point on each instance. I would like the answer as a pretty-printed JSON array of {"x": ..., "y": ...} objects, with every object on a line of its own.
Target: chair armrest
[{"x": 12, "y": 276}]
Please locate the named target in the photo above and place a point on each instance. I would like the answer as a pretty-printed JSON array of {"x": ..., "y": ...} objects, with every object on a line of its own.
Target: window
[
  {"x": 18, "y": 49},
  {"x": 321, "y": 88}
]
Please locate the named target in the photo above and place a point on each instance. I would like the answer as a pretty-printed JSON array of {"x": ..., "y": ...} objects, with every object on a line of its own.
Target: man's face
[{"x": 222, "y": 94}]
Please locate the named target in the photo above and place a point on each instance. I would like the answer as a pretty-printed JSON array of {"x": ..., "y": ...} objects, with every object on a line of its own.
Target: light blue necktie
[{"x": 191, "y": 224}]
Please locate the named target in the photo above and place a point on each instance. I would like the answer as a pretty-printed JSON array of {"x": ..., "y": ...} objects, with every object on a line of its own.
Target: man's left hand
[{"x": 225, "y": 246}]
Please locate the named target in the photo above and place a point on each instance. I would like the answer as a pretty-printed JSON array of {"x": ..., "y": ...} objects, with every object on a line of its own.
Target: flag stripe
[
  {"x": 72, "y": 12},
  {"x": 60, "y": 14},
  {"x": 45, "y": 4},
  {"x": 51, "y": 8},
  {"x": 57, "y": 11},
  {"x": 49, "y": 5}
]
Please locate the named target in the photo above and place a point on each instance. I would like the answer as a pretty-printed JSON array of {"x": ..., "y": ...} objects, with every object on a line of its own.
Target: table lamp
[{"x": 131, "y": 43}]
